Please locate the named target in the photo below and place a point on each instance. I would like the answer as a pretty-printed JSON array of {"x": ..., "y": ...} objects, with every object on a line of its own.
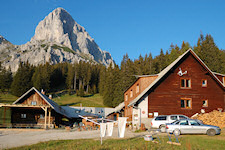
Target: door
[
  {"x": 185, "y": 128},
  {"x": 197, "y": 128}
]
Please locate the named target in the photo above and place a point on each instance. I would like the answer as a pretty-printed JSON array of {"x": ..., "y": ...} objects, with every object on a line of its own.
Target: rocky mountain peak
[
  {"x": 2, "y": 40},
  {"x": 58, "y": 38},
  {"x": 4, "y": 43},
  {"x": 60, "y": 27}
]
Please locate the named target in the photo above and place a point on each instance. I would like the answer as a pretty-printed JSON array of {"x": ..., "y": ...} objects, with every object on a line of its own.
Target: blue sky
[{"x": 122, "y": 26}]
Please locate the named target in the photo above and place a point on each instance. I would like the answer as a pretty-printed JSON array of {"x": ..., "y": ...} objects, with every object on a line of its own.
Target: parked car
[
  {"x": 161, "y": 120},
  {"x": 191, "y": 126}
]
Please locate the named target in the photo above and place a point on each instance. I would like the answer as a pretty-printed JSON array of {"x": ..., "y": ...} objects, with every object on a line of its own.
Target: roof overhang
[{"x": 170, "y": 67}]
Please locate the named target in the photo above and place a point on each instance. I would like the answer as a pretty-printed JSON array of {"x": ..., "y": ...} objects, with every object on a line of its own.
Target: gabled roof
[
  {"x": 168, "y": 68},
  {"x": 152, "y": 75},
  {"x": 220, "y": 74},
  {"x": 119, "y": 107},
  {"x": 50, "y": 102}
]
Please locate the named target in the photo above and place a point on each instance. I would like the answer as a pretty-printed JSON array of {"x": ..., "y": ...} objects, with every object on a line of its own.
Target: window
[
  {"x": 204, "y": 83},
  {"x": 131, "y": 93},
  {"x": 137, "y": 88},
  {"x": 160, "y": 118},
  {"x": 194, "y": 123},
  {"x": 205, "y": 103},
  {"x": 183, "y": 122},
  {"x": 33, "y": 103},
  {"x": 185, "y": 103},
  {"x": 126, "y": 97},
  {"x": 23, "y": 115},
  {"x": 42, "y": 116},
  {"x": 185, "y": 83},
  {"x": 173, "y": 117}
]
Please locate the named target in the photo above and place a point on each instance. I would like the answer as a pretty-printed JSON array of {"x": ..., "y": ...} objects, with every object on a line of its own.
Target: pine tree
[
  {"x": 5, "y": 79},
  {"x": 70, "y": 77},
  {"x": 210, "y": 54},
  {"x": 174, "y": 53},
  {"x": 102, "y": 80},
  {"x": 108, "y": 95},
  {"x": 22, "y": 79},
  {"x": 118, "y": 90}
]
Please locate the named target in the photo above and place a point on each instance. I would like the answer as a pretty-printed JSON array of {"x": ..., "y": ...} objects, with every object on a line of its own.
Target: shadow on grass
[
  {"x": 71, "y": 104},
  {"x": 88, "y": 95},
  {"x": 59, "y": 94}
]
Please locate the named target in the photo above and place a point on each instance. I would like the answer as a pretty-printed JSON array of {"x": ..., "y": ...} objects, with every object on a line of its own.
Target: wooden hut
[{"x": 34, "y": 109}]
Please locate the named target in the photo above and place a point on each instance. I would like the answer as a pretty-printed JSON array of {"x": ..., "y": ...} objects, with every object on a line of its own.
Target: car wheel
[
  {"x": 176, "y": 132},
  {"x": 211, "y": 132},
  {"x": 162, "y": 128}
]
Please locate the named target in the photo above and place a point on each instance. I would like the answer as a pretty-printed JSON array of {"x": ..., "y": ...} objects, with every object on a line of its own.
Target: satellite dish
[{"x": 180, "y": 73}]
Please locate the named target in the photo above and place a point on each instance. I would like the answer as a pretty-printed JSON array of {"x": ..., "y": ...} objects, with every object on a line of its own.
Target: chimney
[
  {"x": 50, "y": 96},
  {"x": 42, "y": 91}
]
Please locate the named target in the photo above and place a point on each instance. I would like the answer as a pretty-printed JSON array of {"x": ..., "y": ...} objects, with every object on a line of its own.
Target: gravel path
[{"x": 19, "y": 137}]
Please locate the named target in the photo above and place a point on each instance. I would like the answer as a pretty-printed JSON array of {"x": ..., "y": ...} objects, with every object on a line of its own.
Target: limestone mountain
[{"x": 58, "y": 38}]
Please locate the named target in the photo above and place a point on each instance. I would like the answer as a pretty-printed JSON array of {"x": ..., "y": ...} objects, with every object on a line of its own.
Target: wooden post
[
  {"x": 4, "y": 116},
  {"x": 49, "y": 117},
  {"x": 45, "y": 117}
]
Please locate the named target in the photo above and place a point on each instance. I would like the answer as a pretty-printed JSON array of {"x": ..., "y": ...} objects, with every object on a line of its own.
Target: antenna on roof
[{"x": 180, "y": 73}]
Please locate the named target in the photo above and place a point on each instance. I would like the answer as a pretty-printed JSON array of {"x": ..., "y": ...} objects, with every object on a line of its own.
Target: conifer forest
[{"x": 87, "y": 78}]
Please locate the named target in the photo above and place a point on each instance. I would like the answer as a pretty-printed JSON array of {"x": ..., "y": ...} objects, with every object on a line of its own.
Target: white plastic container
[{"x": 148, "y": 138}]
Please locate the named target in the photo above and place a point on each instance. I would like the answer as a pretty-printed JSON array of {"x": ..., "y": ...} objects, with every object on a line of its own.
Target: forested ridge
[{"x": 86, "y": 78}]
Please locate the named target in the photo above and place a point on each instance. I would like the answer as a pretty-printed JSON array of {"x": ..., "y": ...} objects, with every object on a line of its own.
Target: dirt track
[{"x": 18, "y": 137}]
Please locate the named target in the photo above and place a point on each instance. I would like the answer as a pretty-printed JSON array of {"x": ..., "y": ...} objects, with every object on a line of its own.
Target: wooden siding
[
  {"x": 166, "y": 97},
  {"x": 36, "y": 98},
  {"x": 143, "y": 83},
  {"x": 33, "y": 116}
]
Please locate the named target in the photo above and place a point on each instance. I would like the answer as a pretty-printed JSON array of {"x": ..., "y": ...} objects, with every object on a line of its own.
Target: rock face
[{"x": 58, "y": 38}]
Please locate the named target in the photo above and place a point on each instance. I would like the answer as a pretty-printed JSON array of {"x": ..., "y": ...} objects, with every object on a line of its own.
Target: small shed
[{"x": 34, "y": 109}]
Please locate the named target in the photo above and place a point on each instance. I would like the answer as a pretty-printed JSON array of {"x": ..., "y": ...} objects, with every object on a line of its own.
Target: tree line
[
  {"x": 86, "y": 78},
  {"x": 79, "y": 78},
  {"x": 114, "y": 81}
]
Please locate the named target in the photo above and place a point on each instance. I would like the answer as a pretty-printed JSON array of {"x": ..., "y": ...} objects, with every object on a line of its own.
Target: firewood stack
[{"x": 215, "y": 118}]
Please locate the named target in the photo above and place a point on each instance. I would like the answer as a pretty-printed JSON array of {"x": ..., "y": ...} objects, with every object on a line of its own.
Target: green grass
[
  {"x": 43, "y": 45},
  {"x": 73, "y": 100},
  {"x": 188, "y": 142},
  {"x": 67, "y": 49},
  {"x": 7, "y": 98}
]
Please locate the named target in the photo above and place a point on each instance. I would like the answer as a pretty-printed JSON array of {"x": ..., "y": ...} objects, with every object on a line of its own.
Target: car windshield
[{"x": 194, "y": 122}]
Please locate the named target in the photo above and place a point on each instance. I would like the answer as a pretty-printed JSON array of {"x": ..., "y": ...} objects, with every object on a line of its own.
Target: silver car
[{"x": 191, "y": 126}]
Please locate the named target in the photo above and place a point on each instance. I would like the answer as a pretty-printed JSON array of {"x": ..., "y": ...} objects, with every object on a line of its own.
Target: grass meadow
[
  {"x": 188, "y": 142},
  {"x": 65, "y": 99}
]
